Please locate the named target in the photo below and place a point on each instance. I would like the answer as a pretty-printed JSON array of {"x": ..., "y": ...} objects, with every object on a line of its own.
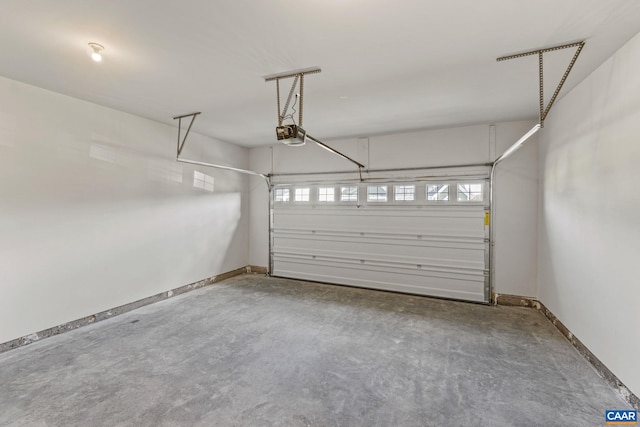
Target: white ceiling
[{"x": 402, "y": 65}]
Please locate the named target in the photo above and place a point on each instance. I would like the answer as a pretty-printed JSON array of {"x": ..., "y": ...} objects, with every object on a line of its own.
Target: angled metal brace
[
  {"x": 286, "y": 104},
  {"x": 540, "y": 52},
  {"x": 179, "y": 118},
  {"x": 298, "y": 77},
  {"x": 334, "y": 151},
  {"x": 519, "y": 143},
  {"x": 228, "y": 168},
  {"x": 211, "y": 165}
]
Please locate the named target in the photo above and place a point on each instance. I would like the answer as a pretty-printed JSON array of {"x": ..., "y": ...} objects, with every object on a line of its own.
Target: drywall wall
[
  {"x": 589, "y": 213},
  {"x": 515, "y": 216},
  {"x": 95, "y": 212}
]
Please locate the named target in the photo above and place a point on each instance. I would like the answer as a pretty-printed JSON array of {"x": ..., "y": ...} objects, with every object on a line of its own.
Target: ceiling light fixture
[{"x": 97, "y": 49}]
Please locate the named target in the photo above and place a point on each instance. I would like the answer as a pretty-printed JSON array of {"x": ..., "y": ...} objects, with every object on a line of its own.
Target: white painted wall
[
  {"x": 516, "y": 185},
  {"x": 590, "y": 213},
  {"x": 91, "y": 215}
]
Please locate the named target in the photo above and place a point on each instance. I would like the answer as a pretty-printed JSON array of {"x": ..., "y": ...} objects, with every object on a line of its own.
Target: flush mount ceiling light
[{"x": 96, "y": 55}]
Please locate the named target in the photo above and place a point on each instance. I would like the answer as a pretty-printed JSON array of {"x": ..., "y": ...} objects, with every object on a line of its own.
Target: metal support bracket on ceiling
[
  {"x": 212, "y": 165},
  {"x": 294, "y": 134},
  {"x": 298, "y": 77},
  {"x": 179, "y": 118},
  {"x": 544, "y": 111}
]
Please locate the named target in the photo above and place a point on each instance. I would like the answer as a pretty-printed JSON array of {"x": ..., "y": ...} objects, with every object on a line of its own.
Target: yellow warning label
[{"x": 486, "y": 218}]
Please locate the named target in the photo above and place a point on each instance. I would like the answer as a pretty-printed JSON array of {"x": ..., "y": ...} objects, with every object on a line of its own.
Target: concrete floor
[{"x": 256, "y": 351}]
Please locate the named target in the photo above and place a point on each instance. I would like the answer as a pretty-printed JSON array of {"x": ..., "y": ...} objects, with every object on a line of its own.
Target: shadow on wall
[
  {"x": 91, "y": 225},
  {"x": 588, "y": 225},
  {"x": 75, "y": 260},
  {"x": 96, "y": 213}
]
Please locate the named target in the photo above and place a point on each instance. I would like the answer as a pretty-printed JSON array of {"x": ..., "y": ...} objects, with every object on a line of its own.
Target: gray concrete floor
[{"x": 257, "y": 351}]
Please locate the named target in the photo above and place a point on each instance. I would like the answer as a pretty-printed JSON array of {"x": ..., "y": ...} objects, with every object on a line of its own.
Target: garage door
[{"x": 419, "y": 237}]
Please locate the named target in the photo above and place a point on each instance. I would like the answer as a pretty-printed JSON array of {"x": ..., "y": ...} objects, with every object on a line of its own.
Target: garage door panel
[
  {"x": 422, "y": 283},
  {"x": 471, "y": 229},
  {"x": 398, "y": 263},
  {"x": 386, "y": 251},
  {"x": 441, "y": 241},
  {"x": 467, "y": 278},
  {"x": 367, "y": 221}
]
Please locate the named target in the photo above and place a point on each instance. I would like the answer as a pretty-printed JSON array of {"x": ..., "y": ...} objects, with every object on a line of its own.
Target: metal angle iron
[
  {"x": 182, "y": 142},
  {"x": 544, "y": 111},
  {"x": 293, "y": 134}
]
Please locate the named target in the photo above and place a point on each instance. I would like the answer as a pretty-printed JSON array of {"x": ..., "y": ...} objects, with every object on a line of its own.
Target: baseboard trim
[
  {"x": 514, "y": 300},
  {"x": 107, "y": 314},
  {"x": 601, "y": 368},
  {"x": 254, "y": 269}
]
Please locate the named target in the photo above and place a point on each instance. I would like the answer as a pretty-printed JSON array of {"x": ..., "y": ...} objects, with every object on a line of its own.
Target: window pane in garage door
[{"x": 377, "y": 193}]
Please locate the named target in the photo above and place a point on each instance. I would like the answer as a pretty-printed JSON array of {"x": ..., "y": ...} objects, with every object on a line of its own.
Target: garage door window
[
  {"x": 404, "y": 192},
  {"x": 438, "y": 192},
  {"x": 302, "y": 195},
  {"x": 349, "y": 194},
  {"x": 326, "y": 194},
  {"x": 377, "y": 193},
  {"x": 471, "y": 192},
  {"x": 281, "y": 195}
]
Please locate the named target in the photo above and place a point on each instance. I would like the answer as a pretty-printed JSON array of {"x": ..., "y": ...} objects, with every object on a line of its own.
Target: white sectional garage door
[{"x": 427, "y": 238}]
